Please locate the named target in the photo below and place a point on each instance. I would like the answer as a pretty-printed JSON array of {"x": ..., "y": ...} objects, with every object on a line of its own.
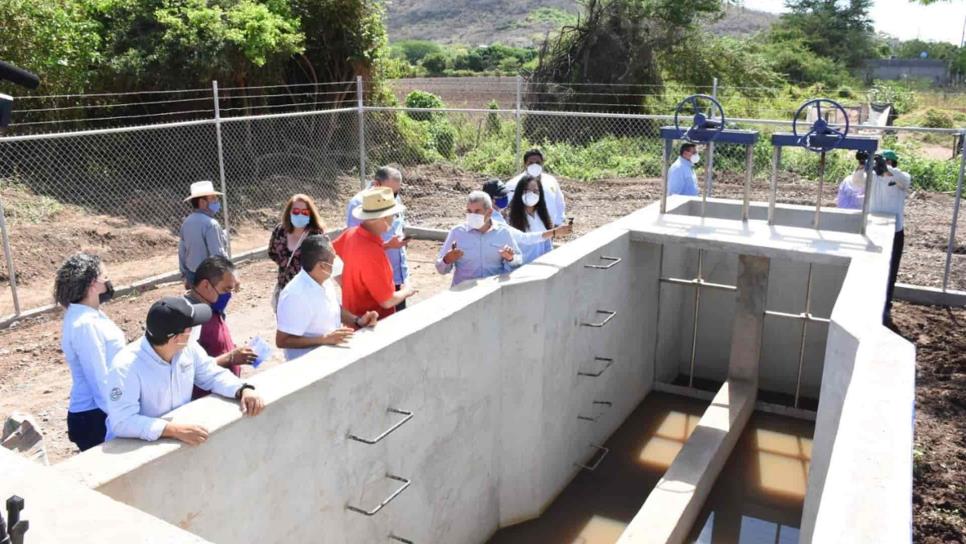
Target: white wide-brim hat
[
  {"x": 202, "y": 188},
  {"x": 377, "y": 202}
]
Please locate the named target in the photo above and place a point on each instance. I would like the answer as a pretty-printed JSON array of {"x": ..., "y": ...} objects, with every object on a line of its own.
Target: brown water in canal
[{"x": 758, "y": 498}]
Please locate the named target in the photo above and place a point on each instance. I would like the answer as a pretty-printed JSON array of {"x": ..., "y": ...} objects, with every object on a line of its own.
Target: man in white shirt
[
  {"x": 533, "y": 167},
  {"x": 309, "y": 313},
  {"x": 890, "y": 186},
  {"x": 154, "y": 375}
]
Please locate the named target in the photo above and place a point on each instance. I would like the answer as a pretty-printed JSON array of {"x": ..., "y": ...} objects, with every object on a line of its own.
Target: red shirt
[{"x": 366, "y": 274}]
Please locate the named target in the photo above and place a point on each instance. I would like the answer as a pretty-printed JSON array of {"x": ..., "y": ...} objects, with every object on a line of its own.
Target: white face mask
[
  {"x": 535, "y": 170},
  {"x": 530, "y": 199},
  {"x": 475, "y": 220},
  {"x": 695, "y": 158}
]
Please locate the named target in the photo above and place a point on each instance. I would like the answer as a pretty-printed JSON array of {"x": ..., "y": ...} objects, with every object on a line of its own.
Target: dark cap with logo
[
  {"x": 170, "y": 316},
  {"x": 495, "y": 188}
]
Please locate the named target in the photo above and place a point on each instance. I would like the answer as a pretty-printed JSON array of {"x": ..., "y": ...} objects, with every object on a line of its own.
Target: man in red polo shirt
[{"x": 367, "y": 281}]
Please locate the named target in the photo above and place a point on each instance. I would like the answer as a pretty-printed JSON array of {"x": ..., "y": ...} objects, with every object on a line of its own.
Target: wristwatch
[{"x": 244, "y": 386}]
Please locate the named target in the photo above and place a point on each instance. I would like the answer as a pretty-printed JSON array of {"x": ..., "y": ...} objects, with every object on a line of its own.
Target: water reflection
[
  {"x": 759, "y": 496},
  {"x": 597, "y": 506}
]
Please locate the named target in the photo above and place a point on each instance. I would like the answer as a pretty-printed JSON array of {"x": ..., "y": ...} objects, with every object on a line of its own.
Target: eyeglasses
[{"x": 304, "y": 211}]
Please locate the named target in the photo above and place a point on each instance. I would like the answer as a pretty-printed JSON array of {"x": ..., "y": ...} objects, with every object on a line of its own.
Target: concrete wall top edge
[{"x": 105, "y": 463}]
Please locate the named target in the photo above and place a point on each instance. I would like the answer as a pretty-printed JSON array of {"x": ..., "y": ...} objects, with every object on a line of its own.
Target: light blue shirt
[
  {"x": 397, "y": 257},
  {"x": 681, "y": 179},
  {"x": 201, "y": 237},
  {"x": 143, "y": 387},
  {"x": 90, "y": 340},
  {"x": 481, "y": 253}
]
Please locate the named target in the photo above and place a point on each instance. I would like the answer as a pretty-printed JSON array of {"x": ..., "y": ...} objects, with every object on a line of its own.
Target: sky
[{"x": 940, "y": 22}]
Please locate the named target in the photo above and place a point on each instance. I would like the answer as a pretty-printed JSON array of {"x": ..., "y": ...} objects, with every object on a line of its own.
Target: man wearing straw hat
[
  {"x": 367, "y": 279},
  {"x": 201, "y": 235}
]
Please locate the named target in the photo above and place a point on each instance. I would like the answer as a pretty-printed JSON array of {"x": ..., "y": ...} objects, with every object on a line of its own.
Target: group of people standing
[{"x": 325, "y": 291}]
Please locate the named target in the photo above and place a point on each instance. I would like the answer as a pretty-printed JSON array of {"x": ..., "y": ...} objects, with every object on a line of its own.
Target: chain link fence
[{"x": 119, "y": 191}]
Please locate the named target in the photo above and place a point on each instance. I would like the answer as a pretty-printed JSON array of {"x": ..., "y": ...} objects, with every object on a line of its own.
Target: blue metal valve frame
[
  {"x": 700, "y": 131},
  {"x": 821, "y": 136}
]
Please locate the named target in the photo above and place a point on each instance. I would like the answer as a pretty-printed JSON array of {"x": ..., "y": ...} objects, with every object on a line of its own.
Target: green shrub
[
  {"x": 937, "y": 119},
  {"x": 492, "y": 119},
  {"x": 423, "y": 100},
  {"x": 435, "y": 63}
]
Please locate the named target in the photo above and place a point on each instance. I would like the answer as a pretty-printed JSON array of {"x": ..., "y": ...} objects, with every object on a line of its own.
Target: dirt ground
[
  {"x": 435, "y": 197},
  {"x": 34, "y": 377}
]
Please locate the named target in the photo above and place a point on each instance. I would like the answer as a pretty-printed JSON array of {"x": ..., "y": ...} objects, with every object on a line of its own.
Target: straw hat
[
  {"x": 202, "y": 188},
  {"x": 377, "y": 202}
]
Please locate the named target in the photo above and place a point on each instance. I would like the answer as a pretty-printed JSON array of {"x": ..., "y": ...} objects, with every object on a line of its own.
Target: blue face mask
[
  {"x": 300, "y": 221},
  {"x": 222, "y": 303},
  {"x": 502, "y": 202},
  {"x": 214, "y": 207}
]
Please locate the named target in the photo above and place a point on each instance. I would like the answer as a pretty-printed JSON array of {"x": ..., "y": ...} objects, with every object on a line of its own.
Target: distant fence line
[{"x": 141, "y": 172}]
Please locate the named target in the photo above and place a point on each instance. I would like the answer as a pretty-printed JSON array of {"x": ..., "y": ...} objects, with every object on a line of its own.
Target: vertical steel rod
[
  {"x": 867, "y": 196},
  {"x": 664, "y": 166},
  {"x": 694, "y": 323},
  {"x": 221, "y": 165},
  {"x": 11, "y": 269},
  {"x": 801, "y": 351},
  {"x": 821, "y": 184},
  {"x": 776, "y": 158},
  {"x": 952, "y": 228},
  {"x": 516, "y": 145},
  {"x": 360, "y": 107},
  {"x": 657, "y": 321},
  {"x": 749, "y": 165},
  {"x": 708, "y": 172}
]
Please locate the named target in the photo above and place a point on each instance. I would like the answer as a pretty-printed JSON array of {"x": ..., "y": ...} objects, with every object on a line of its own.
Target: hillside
[{"x": 517, "y": 22}]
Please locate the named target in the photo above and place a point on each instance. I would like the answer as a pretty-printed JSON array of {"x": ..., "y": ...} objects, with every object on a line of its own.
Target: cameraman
[
  {"x": 852, "y": 189},
  {"x": 890, "y": 186}
]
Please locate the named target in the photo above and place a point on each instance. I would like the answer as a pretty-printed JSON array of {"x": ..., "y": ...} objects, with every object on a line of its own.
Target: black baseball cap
[
  {"x": 170, "y": 316},
  {"x": 495, "y": 188}
]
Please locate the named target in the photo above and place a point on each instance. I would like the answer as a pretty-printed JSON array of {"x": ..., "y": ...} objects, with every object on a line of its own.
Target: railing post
[
  {"x": 519, "y": 105},
  {"x": 11, "y": 269},
  {"x": 952, "y": 228},
  {"x": 360, "y": 108},
  {"x": 221, "y": 165}
]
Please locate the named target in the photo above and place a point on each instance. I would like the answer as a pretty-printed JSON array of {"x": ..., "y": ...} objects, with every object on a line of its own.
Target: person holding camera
[
  {"x": 889, "y": 189},
  {"x": 852, "y": 189}
]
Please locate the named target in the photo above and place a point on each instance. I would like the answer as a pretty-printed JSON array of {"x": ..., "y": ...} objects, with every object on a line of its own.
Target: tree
[
  {"x": 182, "y": 43},
  {"x": 840, "y": 30},
  {"x": 615, "y": 42},
  {"x": 435, "y": 63},
  {"x": 52, "y": 38}
]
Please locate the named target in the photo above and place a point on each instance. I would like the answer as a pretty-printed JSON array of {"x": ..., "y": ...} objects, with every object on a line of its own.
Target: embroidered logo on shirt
[
  {"x": 185, "y": 366},
  {"x": 116, "y": 394}
]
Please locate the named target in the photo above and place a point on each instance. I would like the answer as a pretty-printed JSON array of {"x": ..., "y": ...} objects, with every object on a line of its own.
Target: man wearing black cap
[{"x": 155, "y": 374}]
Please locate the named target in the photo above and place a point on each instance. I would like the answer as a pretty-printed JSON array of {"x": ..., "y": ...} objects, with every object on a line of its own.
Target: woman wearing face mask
[
  {"x": 528, "y": 213},
  {"x": 89, "y": 341},
  {"x": 300, "y": 219}
]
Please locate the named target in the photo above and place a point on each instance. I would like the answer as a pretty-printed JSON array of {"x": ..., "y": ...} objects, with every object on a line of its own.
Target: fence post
[
  {"x": 360, "y": 107},
  {"x": 952, "y": 228},
  {"x": 516, "y": 143},
  {"x": 709, "y": 175},
  {"x": 11, "y": 270},
  {"x": 221, "y": 165}
]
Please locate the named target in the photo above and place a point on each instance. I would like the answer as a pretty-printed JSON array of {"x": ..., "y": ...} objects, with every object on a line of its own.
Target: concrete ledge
[
  {"x": 672, "y": 508},
  {"x": 60, "y": 509},
  {"x": 931, "y": 296}
]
